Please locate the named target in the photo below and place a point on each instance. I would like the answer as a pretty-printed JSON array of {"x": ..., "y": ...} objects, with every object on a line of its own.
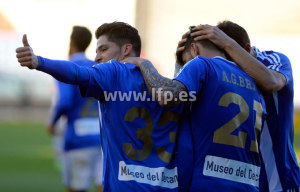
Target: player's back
[
  {"x": 225, "y": 121},
  {"x": 82, "y": 113},
  {"x": 277, "y": 150},
  {"x": 138, "y": 134}
]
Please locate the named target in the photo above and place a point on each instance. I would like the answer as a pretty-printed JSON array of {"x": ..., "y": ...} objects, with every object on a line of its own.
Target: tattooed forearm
[{"x": 167, "y": 91}]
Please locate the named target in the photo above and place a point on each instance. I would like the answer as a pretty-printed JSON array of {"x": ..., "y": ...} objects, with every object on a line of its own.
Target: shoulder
[
  {"x": 84, "y": 62},
  {"x": 195, "y": 65},
  {"x": 196, "y": 62},
  {"x": 112, "y": 64},
  {"x": 271, "y": 57},
  {"x": 111, "y": 67}
]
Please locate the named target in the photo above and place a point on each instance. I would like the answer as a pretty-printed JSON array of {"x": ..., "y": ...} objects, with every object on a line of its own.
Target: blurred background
[{"x": 26, "y": 154}]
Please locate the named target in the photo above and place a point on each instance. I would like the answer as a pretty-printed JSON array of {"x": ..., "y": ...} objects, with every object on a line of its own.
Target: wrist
[
  {"x": 35, "y": 62},
  {"x": 39, "y": 63},
  {"x": 229, "y": 45}
]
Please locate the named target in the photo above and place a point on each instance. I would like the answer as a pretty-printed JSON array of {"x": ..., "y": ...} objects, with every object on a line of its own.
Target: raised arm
[
  {"x": 167, "y": 92},
  {"x": 65, "y": 71},
  {"x": 267, "y": 79}
]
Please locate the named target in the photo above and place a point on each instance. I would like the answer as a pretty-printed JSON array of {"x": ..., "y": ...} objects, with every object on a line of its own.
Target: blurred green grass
[{"x": 26, "y": 159}]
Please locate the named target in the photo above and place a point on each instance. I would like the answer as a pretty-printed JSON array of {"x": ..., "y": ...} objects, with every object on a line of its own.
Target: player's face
[{"x": 107, "y": 50}]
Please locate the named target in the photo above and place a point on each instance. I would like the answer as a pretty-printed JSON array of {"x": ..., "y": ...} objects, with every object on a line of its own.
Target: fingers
[
  {"x": 135, "y": 60},
  {"x": 129, "y": 60},
  {"x": 25, "y": 59},
  {"x": 25, "y": 41},
  {"x": 27, "y": 64},
  {"x": 181, "y": 43},
  {"x": 202, "y": 37},
  {"x": 199, "y": 33},
  {"x": 124, "y": 60},
  {"x": 23, "y": 54},
  {"x": 202, "y": 30},
  {"x": 23, "y": 49},
  {"x": 202, "y": 27},
  {"x": 180, "y": 49}
]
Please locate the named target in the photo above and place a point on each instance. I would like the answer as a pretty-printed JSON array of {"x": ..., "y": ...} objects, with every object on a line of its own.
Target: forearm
[
  {"x": 64, "y": 71},
  {"x": 62, "y": 106},
  {"x": 264, "y": 77},
  {"x": 165, "y": 90},
  {"x": 55, "y": 116}
]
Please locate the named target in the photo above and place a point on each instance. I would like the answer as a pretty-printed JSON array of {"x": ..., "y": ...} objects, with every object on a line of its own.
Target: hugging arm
[
  {"x": 166, "y": 91},
  {"x": 267, "y": 79}
]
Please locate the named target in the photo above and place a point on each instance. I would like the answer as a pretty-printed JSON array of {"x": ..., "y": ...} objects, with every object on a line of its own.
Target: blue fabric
[
  {"x": 280, "y": 108},
  {"x": 185, "y": 151},
  {"x": 76, "y": 109},
  {"x": 65, "y": 71},
  {"x": 137, "y": 136},
  {"x": 219, "y": 83}
]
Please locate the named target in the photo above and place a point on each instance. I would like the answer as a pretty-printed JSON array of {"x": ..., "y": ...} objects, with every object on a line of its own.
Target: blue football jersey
[
  {"x": 184, "y": 151},
  {"x": 226, "y": 121},
  {"x": 138, "y": 135},
  {"x": 82, "y": 129},
  {"x": 281, "y": 170}
]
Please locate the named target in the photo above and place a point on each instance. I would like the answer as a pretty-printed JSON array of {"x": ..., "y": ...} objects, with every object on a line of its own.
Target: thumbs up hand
[
  {"x": 25, "y": 41},
  {"x": 25, "y": 55}
]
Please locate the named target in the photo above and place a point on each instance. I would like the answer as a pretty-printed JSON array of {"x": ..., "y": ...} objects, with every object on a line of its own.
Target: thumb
[{"x": 25, "y": 41}]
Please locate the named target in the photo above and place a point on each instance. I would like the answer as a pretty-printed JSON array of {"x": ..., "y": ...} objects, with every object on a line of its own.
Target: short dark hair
[
  {"x": 235, "y": 31},
  {"x": 189, "y": 40},
  {"x": 81, "y": 37},
  {"x": 121, "y": 33}
]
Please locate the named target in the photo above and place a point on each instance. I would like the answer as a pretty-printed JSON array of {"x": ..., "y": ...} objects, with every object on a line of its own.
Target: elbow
[
  {"x": 272, "y": 87},
  {"x": 167, "y": 103},
  {"x": 162, "y": 103},
  {"x": 268, "y": 88},
  {"x": 273, "y": 83}
]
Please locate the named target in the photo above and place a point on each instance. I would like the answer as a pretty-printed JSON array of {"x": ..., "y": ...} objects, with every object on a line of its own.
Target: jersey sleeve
[
  {"x": 64, "y": 71},
  {"x": 278, "y": 62},
  {"x": 102, "y": 80},
  {"x": 193, "y": 75},
  {"x": 284, "y": 67}
]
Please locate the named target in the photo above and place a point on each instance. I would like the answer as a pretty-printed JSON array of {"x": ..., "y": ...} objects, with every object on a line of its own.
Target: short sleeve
[
  {"x": 283, "y": 66},
  {"x": 278, "y": 62},
  {"x": 102, "y": 79},
  {"x": 193, "y": 75}
]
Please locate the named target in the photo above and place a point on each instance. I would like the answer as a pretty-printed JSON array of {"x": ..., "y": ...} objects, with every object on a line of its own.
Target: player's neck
[
  {"x": 73, "y": 50},
  {"x": 212, "y": 53}
]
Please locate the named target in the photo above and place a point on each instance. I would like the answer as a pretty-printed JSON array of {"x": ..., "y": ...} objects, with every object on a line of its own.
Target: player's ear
[
  {"x": 126, "y": 50},
  {"x": 248, "y": 47},
  {"x": 194, "y": 50}
]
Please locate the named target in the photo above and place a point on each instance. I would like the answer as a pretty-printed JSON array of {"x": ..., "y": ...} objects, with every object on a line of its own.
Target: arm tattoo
[{"x": 166, "y": 90}]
